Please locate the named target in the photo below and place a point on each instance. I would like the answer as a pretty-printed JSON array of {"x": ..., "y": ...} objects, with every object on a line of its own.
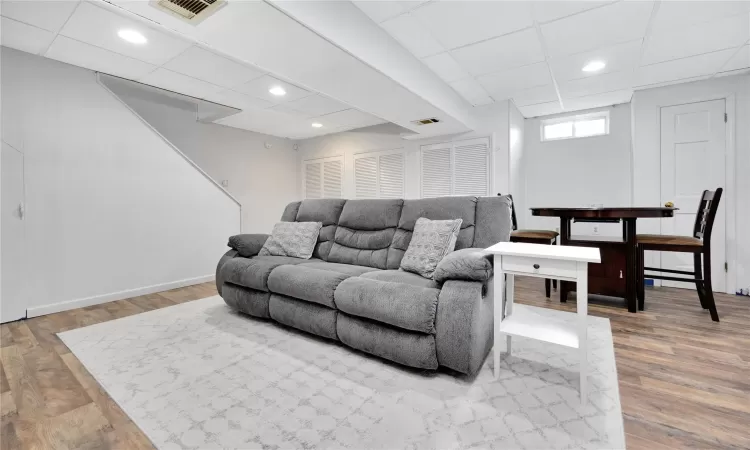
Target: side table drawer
[{"x": 551, "y": 268}]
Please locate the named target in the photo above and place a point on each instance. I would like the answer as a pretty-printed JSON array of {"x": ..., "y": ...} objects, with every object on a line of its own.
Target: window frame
[{"x": 573, "y": 119}]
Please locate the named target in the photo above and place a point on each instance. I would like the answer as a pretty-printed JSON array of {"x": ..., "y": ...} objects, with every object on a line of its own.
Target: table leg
[
  {"x": 631, "y": 263},
  {"x": 582, "y": 304},
  {"x": 499, "y": 306},
  {"x": 564, "y": 239},
  {"x": 511, "y": 284}
]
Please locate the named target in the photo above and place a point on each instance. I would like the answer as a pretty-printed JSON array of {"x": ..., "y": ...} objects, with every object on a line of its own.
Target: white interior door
[
  {"x": 13, "y": 305},
  {"x": 693, "y": 159}
]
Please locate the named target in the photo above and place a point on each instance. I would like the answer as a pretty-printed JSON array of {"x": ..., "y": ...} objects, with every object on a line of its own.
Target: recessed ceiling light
[
  {"x": 277, "y": 90},
  {"x": 594, "y": 66},
  {"x": 132, "y": 36},
  {"x": 317, "y": 125}
]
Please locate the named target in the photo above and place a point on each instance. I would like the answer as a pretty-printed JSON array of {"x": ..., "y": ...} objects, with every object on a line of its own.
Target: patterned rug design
[{"x": 198, "y": 375}]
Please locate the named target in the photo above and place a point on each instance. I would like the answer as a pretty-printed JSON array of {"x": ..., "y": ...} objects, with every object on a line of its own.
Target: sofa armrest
[
  {"x": 468, "y": 264},
  {"x": 464, "y": 325},
  {"x": 219, "y": 278},
  {"x": 248, "y": 245}
]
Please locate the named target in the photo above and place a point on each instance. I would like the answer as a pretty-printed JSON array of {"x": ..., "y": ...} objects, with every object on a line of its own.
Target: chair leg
[
  {"x": 640, "y": 280},
  {"x": 709, "y": 288},
  {"x": 547, "y": 287},
  {"x": 699, "y": 286}
]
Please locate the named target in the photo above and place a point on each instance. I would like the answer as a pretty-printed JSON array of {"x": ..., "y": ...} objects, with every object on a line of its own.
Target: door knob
[{"x": 669, "y": 205}]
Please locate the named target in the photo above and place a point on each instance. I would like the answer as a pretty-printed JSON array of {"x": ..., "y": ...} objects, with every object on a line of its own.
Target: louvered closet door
[
  {"x": 313, "y": 182},
  {"x": 366, "y": 177},
  {"x": 436, "y": 171},
  {"x": 391, "y": 175},
  {"x": 471, "y": 167}
]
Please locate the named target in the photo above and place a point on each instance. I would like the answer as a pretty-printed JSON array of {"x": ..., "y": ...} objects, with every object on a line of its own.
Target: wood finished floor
[{"x": 684, "y": 379}]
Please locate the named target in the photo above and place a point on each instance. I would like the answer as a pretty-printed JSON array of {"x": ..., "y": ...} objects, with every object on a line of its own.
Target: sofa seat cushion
[
  {"x": 401, "y": 305},
  {"x": 402, "y": 276},
  {"x": 349, "y": 269},
  {"x": 306, "y": 283},
  {"x": 253, "y": 272}
]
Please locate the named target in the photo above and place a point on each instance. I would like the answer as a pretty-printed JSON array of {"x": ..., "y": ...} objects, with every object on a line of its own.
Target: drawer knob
[{"x": 536, "y": 266}]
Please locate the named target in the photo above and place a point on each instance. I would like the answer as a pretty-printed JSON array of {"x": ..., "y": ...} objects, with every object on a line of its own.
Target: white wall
[
  {"x": 647, "y": 152},
  {"x": 112, "y": 210},
  {"x": 517, "y": 159},
  {"x": 262, "y": 179},
  {"x": 492, "y": 121},
  {"x": 577, "y": 172}
]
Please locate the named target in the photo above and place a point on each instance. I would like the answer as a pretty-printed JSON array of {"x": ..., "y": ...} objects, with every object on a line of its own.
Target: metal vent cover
[
  {"x": 191, "y": 11},
  {"x": 425, "y": 121}
]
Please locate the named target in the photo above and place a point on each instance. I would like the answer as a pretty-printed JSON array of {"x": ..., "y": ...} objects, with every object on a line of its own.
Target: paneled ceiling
[
  {"x": 347, "y": 65},
  {"x": 534, "y": 52}
]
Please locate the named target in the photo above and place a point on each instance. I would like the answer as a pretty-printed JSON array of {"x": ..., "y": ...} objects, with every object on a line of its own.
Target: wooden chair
[
  {"x": 532, "y": 237},
  {"x": 699, "y": 245}
]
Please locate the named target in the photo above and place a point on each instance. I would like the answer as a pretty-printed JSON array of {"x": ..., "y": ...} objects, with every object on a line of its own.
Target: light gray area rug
[{"x": 198, "y": 375}]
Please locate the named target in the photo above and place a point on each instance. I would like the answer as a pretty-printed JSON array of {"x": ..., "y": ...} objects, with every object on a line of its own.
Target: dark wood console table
[{"x": 617, "y": 254}]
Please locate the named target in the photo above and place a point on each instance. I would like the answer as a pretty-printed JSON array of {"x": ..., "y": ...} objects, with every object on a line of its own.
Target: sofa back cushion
[
  {"x": 365, "y": 232},
  {"x": 441, "y": 208},
  {"x": 327, "y": 211},
  {"x": 493, "y": 221}
]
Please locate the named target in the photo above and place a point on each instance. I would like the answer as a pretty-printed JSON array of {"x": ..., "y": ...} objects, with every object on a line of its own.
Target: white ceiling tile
[
  {"x": 48, "y": 15},
  {"x": 534, "y": 96},
  {"x": 697, "y": 39},
  {"x": 547, "y": 11},
  {"x": 205, "y": 65},
  {"x": 446, "y": 67},
  {"x": 598, "y": 100},
  {"x": 412, "y": 35},
  {"x": 238, "y": 100},
  {"x": 348, "y": 117},
  {"x": 316, "y": 105},
  {"x": 379, "y": 11},
  {"x": 542, "y": 109},
  {"x": 94, "y": 58},
  {"x": 458, "y": 23},
  {"x": 598, "y": 84},
  {"x": 601, "y": 27},
  {"x": 501, "y": 53},
  {"x": 682, "y": 68},
  {"x": 283, "y": 108},
  {"x": 259, "y": 88},
  {"x": 617, "y": 58},
  {"x": 502, "y": 85},
  {"x": 740, "y": 60},
  {"x": 266, "y": 121},
  {"x": 177, "y": 82},
  {"x": 472, "y": 92},
  {"x": 24, "y": 37},
  {"x": 99, "y": 26},
  {"x": 675, "y": 15}
]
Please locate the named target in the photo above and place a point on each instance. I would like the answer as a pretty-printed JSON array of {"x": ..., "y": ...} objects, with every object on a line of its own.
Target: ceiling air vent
[
  {"x": 191, "y": 11},
  {"x": 425, "y": 121}
]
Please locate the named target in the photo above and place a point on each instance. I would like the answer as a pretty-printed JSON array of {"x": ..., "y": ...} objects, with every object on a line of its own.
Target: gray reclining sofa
[{"x": 352, "y": 290}]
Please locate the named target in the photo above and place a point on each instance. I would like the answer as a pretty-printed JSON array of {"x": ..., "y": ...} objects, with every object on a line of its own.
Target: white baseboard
[{"x": 98, "y": 299}]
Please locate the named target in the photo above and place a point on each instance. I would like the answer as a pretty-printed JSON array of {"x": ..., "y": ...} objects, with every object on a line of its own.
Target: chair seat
[
  {"x": 535, "y": 234},
  {"x": 665, "y": 239}
]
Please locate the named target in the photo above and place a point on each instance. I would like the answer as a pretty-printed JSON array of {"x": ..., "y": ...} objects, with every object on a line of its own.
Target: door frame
[
  {"x": 23, "y": 265},
  {"x": 730, "y": 220}
]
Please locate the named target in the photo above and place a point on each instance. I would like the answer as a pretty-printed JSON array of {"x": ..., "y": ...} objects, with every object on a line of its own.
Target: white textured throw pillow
[
  {"x": 430, "y": 242},
  {"x": 295, "y": 239}
]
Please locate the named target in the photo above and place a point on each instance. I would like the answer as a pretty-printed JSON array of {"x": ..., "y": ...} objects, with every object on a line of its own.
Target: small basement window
[{"x": 569, "y": 127}]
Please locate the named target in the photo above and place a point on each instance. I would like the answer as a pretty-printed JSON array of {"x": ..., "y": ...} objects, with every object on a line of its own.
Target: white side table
[{"x": 567, "y": 263}]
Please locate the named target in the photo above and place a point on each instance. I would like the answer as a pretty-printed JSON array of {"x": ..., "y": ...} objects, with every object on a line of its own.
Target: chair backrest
[
  {"x": 704, "y": 219},
  {"x": 513, "y": 220}
]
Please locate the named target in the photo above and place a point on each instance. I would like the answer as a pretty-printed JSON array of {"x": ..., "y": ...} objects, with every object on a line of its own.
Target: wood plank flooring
[{"x": 684, "y": 379}]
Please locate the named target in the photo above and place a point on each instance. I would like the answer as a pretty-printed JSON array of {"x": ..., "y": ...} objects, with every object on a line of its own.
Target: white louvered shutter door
[
  {"x": 312, "y": 180},
  {"x": 366, "y": 177},
  {"x": 391, "y": 175},
  {"x": 332, "y": 178},
  {"x": 436, "y": 172},
  {"x": 471, "y": 167}
]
